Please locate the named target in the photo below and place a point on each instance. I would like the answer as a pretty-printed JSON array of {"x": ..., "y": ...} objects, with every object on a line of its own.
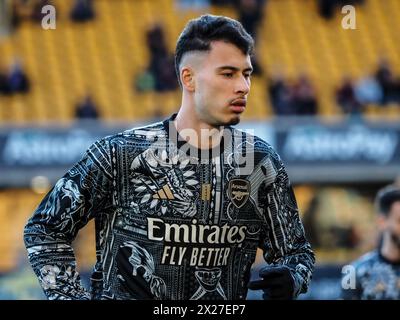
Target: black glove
[{"x": 277, "y": 283}]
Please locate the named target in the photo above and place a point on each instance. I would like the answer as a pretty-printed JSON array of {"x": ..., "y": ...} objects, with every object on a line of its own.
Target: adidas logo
[{"x": 164, "y": 193}]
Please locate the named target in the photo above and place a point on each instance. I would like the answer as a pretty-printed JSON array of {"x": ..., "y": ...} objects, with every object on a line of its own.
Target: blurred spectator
[
  {"x": 346, "y": 99},
  {"x": 161, "y": 65},
  {"x": 4, "y": 84},
  {"x": 82, "y": 11},
  {"x": 163, "y": 70},
  {"x": 18, "y": 80},
  {"x": 280, "y": 95},
  {"x": 250, "y": 16},
  {"x": 304, "y": 97},
  {"x": 36, "y": 13},
  {"x": 15, "y": 14},
  {"x": 257, "y": 70},
  {"x": 24, "y": 10},
  {"x": 368, "y": 91},
  {"x": 390, "y": 86},
  {"x": 327, "y": 8},
  {"x": 156, "y": 41},
  {"x": 86, "y": 109},
  {"x": 297, "y": 99}
]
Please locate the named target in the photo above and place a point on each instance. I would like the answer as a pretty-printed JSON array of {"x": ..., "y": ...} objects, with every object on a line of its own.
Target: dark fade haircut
[
  {"x": 199, "y": 33},
  {"x": 386, "y": 197}
]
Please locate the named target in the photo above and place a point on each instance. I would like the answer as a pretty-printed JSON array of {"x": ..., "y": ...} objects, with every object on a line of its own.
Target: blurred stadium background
[{"x": 326, "y": 97}]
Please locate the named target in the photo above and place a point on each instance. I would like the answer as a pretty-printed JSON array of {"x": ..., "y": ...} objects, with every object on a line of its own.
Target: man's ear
[
  {"x": 187, "y": 78},
  {"x": 381, "y": 222}
]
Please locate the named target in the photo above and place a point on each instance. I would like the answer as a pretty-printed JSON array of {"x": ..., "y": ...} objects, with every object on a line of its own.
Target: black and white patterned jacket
[{"x": 169, "y": 226}]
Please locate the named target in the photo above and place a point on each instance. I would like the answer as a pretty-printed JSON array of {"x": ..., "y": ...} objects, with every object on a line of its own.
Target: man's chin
[
  {"x": 234, "y": 119},
  {"x": 231, "y": 121}
]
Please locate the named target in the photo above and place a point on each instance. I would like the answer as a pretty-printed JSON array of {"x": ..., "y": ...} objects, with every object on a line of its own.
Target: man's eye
[{"x": 228, "y": 75}]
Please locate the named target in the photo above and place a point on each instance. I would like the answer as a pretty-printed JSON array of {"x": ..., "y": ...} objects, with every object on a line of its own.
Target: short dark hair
[
  {"x": 386, "y": 197},
  {"x": 199, "y": 33}
]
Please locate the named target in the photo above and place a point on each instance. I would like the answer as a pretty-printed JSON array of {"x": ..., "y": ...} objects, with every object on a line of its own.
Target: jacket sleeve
[
  {"x": 283, "y": 241},
  {"x": 75, "y": 199}
]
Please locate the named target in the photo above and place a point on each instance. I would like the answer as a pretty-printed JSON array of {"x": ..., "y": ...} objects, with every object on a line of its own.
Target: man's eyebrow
[{"x": 232, "y": 68}]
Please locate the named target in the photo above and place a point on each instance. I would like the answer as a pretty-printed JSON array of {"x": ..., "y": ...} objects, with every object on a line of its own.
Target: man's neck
[
  {"x": 390, "y": 250},
  {"x": 196, "y": 132}
]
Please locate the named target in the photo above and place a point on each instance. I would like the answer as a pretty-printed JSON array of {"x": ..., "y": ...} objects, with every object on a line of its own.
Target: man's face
[
  {"x": 222, "y": 83},
  {"x": 392, "y": 223}
]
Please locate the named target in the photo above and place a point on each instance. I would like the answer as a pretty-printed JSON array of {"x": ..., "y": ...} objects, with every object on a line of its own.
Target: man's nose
[{"x": 243, "y": 85}]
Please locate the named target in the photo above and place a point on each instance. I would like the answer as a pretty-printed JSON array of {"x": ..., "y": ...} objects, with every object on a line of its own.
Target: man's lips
[{"x": 238, "y": 105}]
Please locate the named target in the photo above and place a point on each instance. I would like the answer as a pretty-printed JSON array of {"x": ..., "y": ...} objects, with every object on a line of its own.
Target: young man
[
  {"x": 377, "y": 273},
  {"x": 180, "y": 206}
]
